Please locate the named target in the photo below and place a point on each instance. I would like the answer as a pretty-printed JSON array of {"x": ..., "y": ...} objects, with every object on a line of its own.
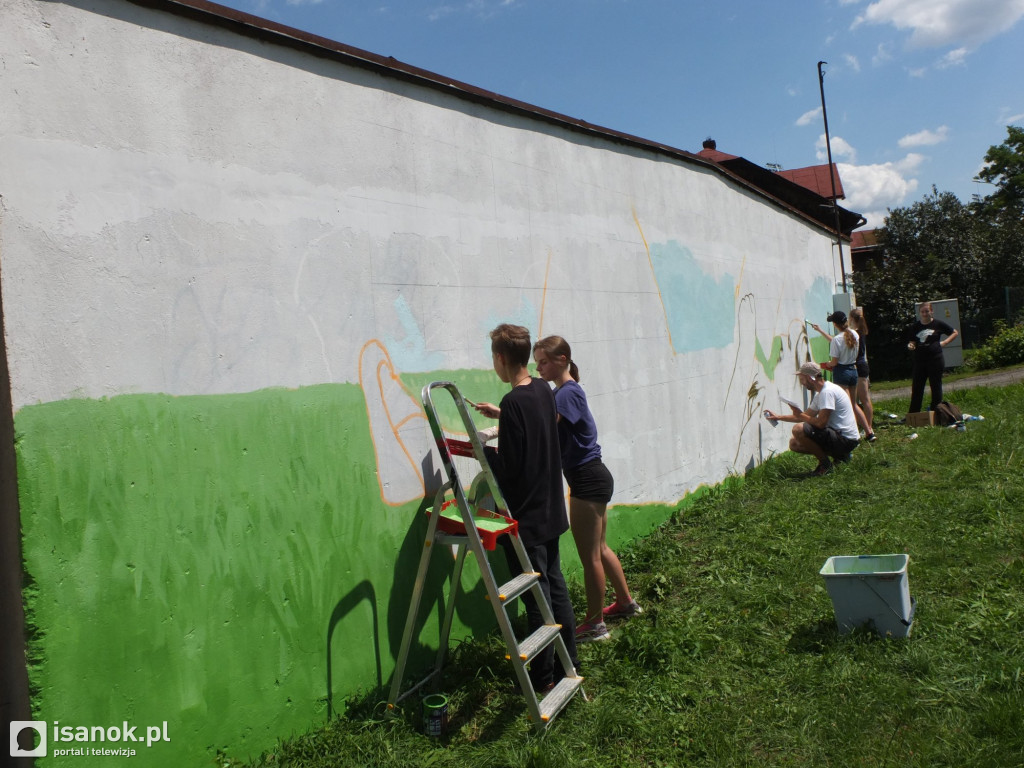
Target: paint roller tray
[{"x": 490, "y": 525}]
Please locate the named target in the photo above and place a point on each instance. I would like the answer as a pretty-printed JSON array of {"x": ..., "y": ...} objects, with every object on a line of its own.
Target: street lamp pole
[{"x": 831, "y": 172}]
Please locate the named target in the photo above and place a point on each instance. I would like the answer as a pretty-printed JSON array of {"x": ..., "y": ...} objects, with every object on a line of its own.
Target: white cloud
[
  {"x": 955, "y": 58},
  {"x": 482, "y": 8},
  {"x": 872, "y": 189},
  {"x": 840, "y": 148},
  {"x": 882, "y": 54},
  {"x": 809, "y": 117},
  {"x": 939, "y": 23},
  {"x": 1012, "y": 120},
  {"x": 439, "y": 12},
  {"x": 909, "y": 164},
  {"x": 852, "y": 62},
  {"x": 925, "y": 138}
]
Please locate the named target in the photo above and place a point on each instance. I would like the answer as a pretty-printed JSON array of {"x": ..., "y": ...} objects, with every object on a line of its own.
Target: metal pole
[{"x": 831, "y": 173}]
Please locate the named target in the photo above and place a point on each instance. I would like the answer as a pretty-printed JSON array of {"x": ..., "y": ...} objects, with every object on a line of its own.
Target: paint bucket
[
  {"x": 870, "y": 589},
  {"x": 435, "y": 715}
]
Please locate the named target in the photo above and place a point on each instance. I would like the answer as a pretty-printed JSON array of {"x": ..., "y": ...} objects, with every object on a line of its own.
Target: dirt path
[{"x": 997, "y": 379}]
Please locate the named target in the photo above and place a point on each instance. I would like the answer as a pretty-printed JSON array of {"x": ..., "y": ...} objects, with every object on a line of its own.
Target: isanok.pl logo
[{"x": 29, "y": 738}]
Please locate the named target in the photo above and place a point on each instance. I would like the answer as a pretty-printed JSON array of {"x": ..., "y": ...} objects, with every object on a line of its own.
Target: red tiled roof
[
  {"x": 808, "y": 190},
  {"x": 864, "y": 238},
  {"x": 816, "y": 179},
  {"x": 715, "y": 156}
]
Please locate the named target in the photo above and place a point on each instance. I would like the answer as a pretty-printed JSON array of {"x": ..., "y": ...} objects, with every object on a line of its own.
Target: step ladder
[{"x": 472, "y": 521}]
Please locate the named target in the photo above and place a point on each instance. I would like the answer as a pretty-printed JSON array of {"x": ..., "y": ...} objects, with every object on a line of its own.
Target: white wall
[{"x": 189, "y": 211}]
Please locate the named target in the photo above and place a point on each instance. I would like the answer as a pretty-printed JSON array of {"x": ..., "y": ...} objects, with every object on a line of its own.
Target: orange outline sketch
[
  {"x": 664, "y": 312},
  {"x": 544, "y": 298},
  {"x": 386, "y": 371}
]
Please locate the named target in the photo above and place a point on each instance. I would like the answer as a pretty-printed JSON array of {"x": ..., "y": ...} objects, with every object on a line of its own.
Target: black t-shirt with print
[{"x": 927, "y": 337}]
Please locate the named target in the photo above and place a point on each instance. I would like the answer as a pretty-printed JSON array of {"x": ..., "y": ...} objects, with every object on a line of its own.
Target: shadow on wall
[
  {"x": 363, "y": 591},
  {"x": 470, "y": 601},
  {"x": 469, "y": 607}
]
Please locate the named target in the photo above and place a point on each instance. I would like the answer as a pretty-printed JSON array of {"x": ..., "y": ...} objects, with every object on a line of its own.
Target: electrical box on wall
[
  {"x": 948, "y": 311},
  {"x": 843, "y": 302}
]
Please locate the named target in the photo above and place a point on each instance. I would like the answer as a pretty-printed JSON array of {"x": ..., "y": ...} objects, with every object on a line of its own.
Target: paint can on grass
[{"x": 435, "y": 715}]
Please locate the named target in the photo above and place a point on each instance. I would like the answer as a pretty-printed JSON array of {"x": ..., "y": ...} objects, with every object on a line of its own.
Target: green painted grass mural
[
  {"x": 191, "y": 556},
  {"x": 223, "y": 563}
]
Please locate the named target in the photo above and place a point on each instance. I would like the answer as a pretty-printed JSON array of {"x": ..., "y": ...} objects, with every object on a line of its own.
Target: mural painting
[{"x": 219, "y": 322}]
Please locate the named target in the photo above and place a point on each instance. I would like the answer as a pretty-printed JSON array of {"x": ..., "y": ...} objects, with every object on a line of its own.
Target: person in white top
[
  {"x": 828, "y": 427},
  {"x": 844, "y": 349}
]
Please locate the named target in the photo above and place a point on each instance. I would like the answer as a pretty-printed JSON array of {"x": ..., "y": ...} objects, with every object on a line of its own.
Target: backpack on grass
[{"x": 947, "y": 414}]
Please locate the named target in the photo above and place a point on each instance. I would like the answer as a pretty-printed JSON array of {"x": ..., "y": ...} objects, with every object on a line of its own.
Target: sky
[{"x": 916, "y": 91}]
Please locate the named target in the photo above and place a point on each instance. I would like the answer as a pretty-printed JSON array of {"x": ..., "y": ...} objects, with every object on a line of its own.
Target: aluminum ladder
[{"x": 475, "y": 529}]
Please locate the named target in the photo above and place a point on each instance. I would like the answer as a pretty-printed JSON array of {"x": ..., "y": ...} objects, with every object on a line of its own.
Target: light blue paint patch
[
  {"x": 700, "y": 310},
  {"x": 818, "y": 301},
  {"x": 410, "y": 353},
  {"x": 525, "y": 315}
]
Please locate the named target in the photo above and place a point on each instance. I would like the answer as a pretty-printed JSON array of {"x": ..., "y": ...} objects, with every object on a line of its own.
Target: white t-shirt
[
  {"x": 834, "y": 398},
  {"x": 843, "y": 354}
]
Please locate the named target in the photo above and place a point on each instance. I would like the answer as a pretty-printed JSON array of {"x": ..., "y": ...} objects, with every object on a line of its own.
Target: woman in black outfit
[{"x": 924, "y": 340}]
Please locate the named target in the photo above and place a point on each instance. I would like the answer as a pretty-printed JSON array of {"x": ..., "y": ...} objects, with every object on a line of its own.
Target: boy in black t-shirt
[
  {"x": 924, "y": 339},
  {"x": 528, "y": 467}
]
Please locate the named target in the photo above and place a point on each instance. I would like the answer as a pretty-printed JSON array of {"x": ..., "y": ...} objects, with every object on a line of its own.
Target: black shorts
[
  {"x": 590, "y": 482},
  {"x": 863, "y": 371},
  {"x": 830, "y": 441}
]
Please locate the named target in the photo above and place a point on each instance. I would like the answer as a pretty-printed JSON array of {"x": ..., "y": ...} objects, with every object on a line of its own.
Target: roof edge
[{"x": 271, "y": 31}]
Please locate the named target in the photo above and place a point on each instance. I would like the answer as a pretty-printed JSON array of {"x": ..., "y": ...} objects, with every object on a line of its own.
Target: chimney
[{"x": 709, "y": 143}]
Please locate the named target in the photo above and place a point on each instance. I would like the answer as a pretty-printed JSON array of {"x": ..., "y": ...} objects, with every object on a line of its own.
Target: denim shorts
[{"x": 845, "y": 375}]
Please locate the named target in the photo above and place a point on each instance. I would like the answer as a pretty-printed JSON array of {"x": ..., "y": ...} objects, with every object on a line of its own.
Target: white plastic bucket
[{"x": 870, "y": 589}]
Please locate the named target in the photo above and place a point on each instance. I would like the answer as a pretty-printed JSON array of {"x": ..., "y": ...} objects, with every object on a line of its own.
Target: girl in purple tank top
[{"x": 590, "y": 490}]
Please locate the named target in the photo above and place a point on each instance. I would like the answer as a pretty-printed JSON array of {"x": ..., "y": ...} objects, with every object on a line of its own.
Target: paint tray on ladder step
[
  {"x": 872, "y": 590},
  {"x": 490, "y": 525}
]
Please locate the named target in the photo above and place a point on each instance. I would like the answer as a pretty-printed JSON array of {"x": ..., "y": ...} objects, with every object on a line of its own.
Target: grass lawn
[{"x": 736, "y": 660}]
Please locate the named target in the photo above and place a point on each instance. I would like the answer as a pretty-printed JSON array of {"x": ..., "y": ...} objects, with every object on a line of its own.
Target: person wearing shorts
[
  {"x": 860, "y": 324},
  {"x": 827, "y": 430},
  {"x": 844, "y": 349},
  {"x": 590, "y": 490}
]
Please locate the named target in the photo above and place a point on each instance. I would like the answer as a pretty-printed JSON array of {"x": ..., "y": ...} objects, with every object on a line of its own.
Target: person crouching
[{"x": 828, "y": 428}]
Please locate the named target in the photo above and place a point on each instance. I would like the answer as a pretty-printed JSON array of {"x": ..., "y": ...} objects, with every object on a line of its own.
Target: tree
[
  {"x": 1004, "y": 168},
  {"x": 932, "y": 249},
  {"x": 941, "y": 248},
  {"x": 1003, "y": 212}
]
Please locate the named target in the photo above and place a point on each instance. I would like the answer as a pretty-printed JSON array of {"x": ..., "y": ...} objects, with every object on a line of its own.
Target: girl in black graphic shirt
[{"x": 924, "y": 340}]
